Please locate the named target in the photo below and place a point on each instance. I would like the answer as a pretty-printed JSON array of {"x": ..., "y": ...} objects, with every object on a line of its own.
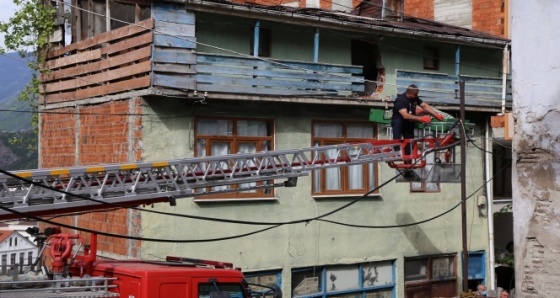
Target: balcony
[{"x": 159, "y": 57}]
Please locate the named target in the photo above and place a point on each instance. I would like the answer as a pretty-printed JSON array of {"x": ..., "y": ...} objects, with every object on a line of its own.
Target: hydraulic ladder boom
[{"x": 57, "y": 191}]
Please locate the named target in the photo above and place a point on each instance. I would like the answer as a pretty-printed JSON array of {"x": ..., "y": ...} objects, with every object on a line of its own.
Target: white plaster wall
[
  {"x": 536, "y": 186},
  {"x": 454, "y": 12}
]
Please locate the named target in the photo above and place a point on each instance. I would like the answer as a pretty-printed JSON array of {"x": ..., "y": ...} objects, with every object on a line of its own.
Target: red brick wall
[
  {"x": 58, "y": 138},
  {"x": 488, "y": 16},
  {"x": 103, "y": 137},
  {"x": 419, "y": 8}
]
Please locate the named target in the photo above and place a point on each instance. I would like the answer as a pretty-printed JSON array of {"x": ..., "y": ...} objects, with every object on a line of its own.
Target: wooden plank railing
[
  {"x": 444, "y": 89},
  {"x": 109, "y": 63},
  {"x": 245, "y": 75}
]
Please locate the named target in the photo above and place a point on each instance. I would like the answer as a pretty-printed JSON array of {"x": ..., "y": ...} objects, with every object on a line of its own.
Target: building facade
[{"x": 167, "y": 80}]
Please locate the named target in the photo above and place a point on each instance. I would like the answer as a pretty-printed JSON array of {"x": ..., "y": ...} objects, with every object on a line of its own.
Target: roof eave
[{"x": 329, "y": 23}]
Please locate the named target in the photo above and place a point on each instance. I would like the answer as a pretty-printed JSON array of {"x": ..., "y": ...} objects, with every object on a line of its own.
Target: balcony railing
[
  {"x": 444, "y": 89},
  {"x": 245, "y": 75}
]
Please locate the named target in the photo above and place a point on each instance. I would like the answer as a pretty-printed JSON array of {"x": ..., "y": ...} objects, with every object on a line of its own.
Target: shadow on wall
[{"x": 416, "y": 235}]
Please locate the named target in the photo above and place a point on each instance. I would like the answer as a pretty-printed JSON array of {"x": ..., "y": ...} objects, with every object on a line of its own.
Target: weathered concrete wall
[
  {"x": 454, "y": 12},
  {"x": 536, "y": 152},
  {"x": 168, "y": 134}
]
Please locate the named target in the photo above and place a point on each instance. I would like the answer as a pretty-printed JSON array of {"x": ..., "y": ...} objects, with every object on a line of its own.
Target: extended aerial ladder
[{"x": 72, "y": 189}]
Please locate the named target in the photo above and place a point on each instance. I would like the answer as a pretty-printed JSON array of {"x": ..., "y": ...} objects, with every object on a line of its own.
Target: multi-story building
[{"x": 147, "y": 81}]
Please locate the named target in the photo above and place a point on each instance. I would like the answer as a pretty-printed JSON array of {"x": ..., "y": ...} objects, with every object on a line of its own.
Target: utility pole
[{"x": 465, "y": 254}]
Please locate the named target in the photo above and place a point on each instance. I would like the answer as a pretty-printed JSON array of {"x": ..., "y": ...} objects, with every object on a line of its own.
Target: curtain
[
  {"x": 218, "y": 127},
  {"x": 251, "y": 128}
]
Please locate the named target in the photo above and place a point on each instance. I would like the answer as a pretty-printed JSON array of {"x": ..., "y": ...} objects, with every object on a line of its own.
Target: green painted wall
[
  {"x": 224, "y": 32},
  {"x": 168, "y": 134},
  {"x": 406, "y": 54},
  {"x": 288, "y": 42}
]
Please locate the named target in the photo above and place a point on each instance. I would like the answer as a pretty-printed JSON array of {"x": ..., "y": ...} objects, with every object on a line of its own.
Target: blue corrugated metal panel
[
  {"x": 220, "y": 73},
  {"x": 443, "y": 89}
]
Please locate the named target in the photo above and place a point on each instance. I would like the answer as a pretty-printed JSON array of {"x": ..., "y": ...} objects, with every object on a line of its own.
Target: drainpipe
[
  {"x": 316, "y": 46},
  {"x": 489, "y": 201},
  {"x": 383, "y": 8},
  {"x": 505, "y": 68},
  {"x": 256, "y": 37},
  {"x": 457, "y": 60}
]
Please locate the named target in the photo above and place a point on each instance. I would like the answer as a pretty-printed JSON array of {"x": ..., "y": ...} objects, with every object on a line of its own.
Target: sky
[{"x": 7, "y": 10}]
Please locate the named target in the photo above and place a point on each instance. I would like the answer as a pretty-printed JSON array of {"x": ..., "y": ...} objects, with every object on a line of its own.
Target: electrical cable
[
  {"x": 209, "y": 218},
  {"x": 418, "y": 222}
]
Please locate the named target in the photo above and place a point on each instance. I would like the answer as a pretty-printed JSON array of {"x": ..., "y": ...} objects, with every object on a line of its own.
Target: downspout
[
  {"x": 505, "y": 68},
  {"x": 457, "y": 60},
  {"x": 256, "y": 37},
  {"x": 489, "y": 201},
  {"x": 316, "y": 46},
  {"x": 383, "y": 8}
]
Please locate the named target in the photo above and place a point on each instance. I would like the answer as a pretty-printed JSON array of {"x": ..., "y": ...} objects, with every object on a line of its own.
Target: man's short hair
[{"x": 412, "y": 89}]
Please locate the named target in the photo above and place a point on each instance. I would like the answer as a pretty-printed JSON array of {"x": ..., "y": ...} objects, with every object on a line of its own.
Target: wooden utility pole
[{"x": 465, "y": 254}]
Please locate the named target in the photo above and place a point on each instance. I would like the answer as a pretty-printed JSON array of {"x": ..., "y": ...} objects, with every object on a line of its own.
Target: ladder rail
[{"x": 138, "y": 183}]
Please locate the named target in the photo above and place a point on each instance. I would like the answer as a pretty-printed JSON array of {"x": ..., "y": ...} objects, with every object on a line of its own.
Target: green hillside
[
  {"x": 14, "y": 76},
  {"x": 20, "y": 155}
]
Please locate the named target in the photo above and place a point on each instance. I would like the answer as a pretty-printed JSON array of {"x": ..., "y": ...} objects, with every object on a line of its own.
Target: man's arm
[
  {"x": 428, "y": 108},
  {"x": 404, "y": 113}
]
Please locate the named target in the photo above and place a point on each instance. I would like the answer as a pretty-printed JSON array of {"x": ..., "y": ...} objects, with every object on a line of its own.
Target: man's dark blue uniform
[{"x": 403, "y": 128}]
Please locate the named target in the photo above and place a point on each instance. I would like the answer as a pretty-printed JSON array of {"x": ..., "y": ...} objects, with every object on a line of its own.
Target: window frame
[
  {"x": 430, "y": 282},
  {"x": 323, "y": 280},
  {"x": 344, "y": 170},
  {"x": 234, "y": 140}
]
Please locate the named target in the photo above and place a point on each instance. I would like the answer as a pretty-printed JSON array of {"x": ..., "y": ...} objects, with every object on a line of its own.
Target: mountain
[
  {"x": 14, "y": 76},
  {"x": 15, "y": 122}
]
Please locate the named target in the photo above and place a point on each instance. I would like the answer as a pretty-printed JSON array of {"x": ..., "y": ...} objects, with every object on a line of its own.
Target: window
[
  {"x": 501, "y": 159},
  {"x": 121, "y": 13},
  {"x": 431, "y": 58},
  {"x": 433, "y": 276},
  {"x": 15, "y": 241},
  {"x": 374, "y": 279},
  {"x": 207, "y": 290},
  {"x": 29, "y": 257},
  {"x": 428, "y": 171},
  {"x": 220, "y": 136},
  {"x": 356, "y": 179},
  {"x": 4, "y": 259},
  {"x": 266, "y": 279},
  {"x": 13, "y": 258},
  {"x": 11, "y": 241}
]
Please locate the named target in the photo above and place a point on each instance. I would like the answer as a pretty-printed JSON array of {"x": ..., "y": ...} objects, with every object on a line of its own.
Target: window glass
[
  {"x": 415, "y": 269},
  {"x": 349, "y": 179},
  {"x": 208, "y": 290},
  {"x": 306, "y": 282},
  {"x": 266, "y": 279},
  {"x": 220, "y": 136}
]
